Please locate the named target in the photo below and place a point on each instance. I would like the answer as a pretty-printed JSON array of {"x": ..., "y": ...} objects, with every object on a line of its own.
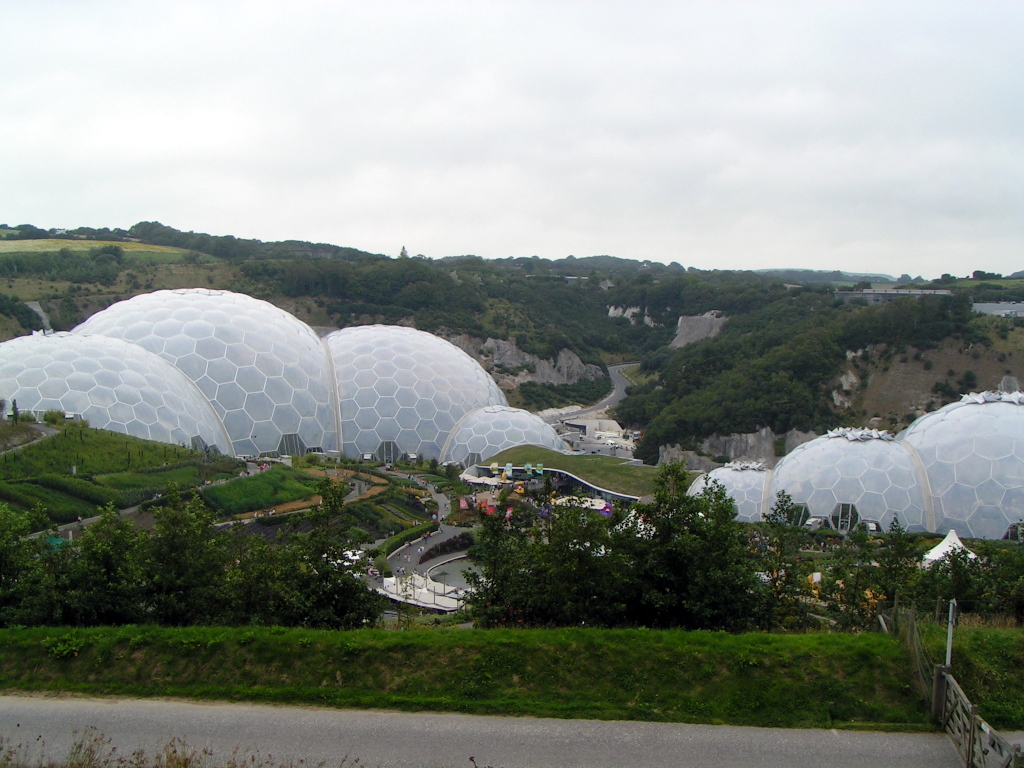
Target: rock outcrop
[
  {"x": 691, "y": 328},
  {"x": 752, "y": 446},
  {"x": 511, "y": 366}
]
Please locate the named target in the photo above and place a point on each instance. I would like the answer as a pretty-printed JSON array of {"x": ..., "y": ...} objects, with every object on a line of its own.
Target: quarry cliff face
[
  {"x": 691, "y": 328},
  {"x": 511, "y": 366},
  {"x": 752, "y": 446}
]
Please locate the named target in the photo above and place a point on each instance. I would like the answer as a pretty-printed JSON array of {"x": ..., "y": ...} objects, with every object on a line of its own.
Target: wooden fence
[{"x": 979, "y": 744}]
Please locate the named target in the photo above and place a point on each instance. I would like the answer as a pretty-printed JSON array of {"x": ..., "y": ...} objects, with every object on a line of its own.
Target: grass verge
[
  {"x": 988, "y": 664},
  {"x": 817, "y": 681}
]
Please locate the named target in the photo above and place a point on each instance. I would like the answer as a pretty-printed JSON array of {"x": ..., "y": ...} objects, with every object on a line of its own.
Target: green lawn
[{"x": 603, "y": 471}]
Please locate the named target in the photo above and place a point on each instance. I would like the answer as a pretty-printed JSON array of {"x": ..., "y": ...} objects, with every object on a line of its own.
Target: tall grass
[{"x": 988, "y": 663}]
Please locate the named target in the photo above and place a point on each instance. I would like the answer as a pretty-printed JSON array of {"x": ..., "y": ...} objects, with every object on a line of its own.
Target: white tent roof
[{"x": 949, "y": 544}]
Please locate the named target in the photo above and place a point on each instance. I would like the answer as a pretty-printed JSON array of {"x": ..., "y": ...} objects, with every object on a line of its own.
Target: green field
[
  {"x": 278, "y": 485},
  {"x": 135, "y": 250},
  {"x": 816, "y": 681},
  {"x": 603, "y": 471}
]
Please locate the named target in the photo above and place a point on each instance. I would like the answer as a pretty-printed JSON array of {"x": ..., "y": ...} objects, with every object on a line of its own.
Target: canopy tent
[
  {"x": 945, "y": 547},
  {"x": 474, "y": 480}
]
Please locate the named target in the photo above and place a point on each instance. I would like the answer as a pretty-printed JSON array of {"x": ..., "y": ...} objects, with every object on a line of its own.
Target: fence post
[
  {"x": 969, "y": 755},
  {"x": 939, "y": 693}
]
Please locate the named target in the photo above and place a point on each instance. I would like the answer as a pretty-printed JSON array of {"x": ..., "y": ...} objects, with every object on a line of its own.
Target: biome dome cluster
[
  {"x": 959, "y": 468},
  {"x": 223, "y": 370}
]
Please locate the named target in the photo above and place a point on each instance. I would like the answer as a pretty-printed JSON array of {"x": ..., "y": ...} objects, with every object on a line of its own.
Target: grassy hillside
[
  {"x": 603, "y": 471},
  {"x": 836, "y": 680},
  {"x": 153, "y": 252}
]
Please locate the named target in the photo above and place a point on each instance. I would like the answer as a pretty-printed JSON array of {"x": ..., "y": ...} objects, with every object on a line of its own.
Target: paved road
[
  {"x": 619, "y": 385},
  {"x": 400, "y": 740}
]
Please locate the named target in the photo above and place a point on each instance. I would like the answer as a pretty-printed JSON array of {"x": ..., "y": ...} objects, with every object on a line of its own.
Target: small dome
[
  {"x": 401, "y": 390},
  {"x": 488, "y": 431},
  {"x": 111, "y": 383},
  {"x": 744, "y": 483},
  {"x": 863, "y": 468}
]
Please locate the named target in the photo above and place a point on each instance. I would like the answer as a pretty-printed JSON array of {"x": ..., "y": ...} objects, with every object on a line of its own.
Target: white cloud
[{"x": 842, "y": 135}]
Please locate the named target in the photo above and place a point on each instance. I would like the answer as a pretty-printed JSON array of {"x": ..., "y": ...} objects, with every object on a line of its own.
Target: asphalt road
[{"x": 401, "y": 740}]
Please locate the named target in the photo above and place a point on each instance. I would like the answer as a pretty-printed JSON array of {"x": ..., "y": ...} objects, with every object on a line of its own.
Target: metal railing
[{"x": 978, "y": 743}]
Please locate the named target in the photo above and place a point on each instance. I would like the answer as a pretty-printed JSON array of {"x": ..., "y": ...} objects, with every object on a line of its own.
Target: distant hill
[{"x": 778, "y": 361}]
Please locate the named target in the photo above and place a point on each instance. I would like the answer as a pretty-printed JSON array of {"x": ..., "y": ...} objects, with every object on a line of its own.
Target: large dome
[
  {"x": 402, "y": 391},
  {"x": 487, "y": 431},
  {"x": 744, "y": 483},
  {"x": 111, "y": 383},
  {"x": 973, "y": 454},
  {"x": 858, "y": 472},
  {"x": 265, "y": 371}
]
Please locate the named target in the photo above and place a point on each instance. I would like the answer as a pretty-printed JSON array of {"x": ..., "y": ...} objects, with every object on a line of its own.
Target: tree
[
  {"x": 784, "y": 571},
  {"x": 186, "y": 559},
  {"x": 898, "y": 561},
  {"x": 14, "y": 411},
  {"x": 18, "y": 557},
  {"x": 690, "y": 562}
]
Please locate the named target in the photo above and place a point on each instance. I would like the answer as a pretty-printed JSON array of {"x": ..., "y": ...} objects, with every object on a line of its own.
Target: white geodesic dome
[
  {"x": 488, "y": 431},
  {"x": 265, "y": 371},
  {"x": 401, "y": 390},
  {"x": 973, "y": 454},
  {"x": 744, "y": 483},
  {"x": 111, "y": 383},
  {"x": 864, "y": 468}
]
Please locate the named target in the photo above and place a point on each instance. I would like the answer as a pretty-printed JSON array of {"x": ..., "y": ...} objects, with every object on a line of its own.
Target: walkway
[{"x": 405, "y": 740}]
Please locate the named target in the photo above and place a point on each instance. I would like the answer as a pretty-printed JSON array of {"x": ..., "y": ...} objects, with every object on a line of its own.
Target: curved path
[
  {"x": 400, "y": 740},
  {"x": 619, "y": 385}
]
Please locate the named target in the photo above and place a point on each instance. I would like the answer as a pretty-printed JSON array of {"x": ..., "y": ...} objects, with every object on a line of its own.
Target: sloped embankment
[{"x": 673, "y": 676}]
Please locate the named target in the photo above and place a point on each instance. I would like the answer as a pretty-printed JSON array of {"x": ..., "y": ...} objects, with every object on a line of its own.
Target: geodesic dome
[
  {"x": 744, "y": 483},
  {"x": 401, "y": 390},
  {"x": 973, "y": 454},
  {"x": 265, "y": 371},
  {"x": 862, "y": 468},
  {"x": 111, "y": 383},
  {"x": 488, "y": 431}
]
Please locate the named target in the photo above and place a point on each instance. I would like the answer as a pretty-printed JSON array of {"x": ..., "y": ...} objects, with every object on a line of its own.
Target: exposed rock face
[
  {"x": 753, "y": 446},
  {"x": 511, "y": 366},
  {"x": 695, "y": 328},
  {"x": 632, "y": 314}
]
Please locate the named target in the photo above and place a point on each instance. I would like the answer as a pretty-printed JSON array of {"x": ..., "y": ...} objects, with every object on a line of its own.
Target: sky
[{"x": 865, "y": 136}]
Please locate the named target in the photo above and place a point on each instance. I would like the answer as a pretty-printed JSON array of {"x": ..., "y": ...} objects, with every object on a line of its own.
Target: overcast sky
[{"x": 863, "y": 136}]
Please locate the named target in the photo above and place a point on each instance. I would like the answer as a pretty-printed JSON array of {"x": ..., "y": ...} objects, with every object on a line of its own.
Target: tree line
[
  {"x": 773, "y": 366},
  {"x": 684, "y": 561},
  {"x": 183, "y": 572}
]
